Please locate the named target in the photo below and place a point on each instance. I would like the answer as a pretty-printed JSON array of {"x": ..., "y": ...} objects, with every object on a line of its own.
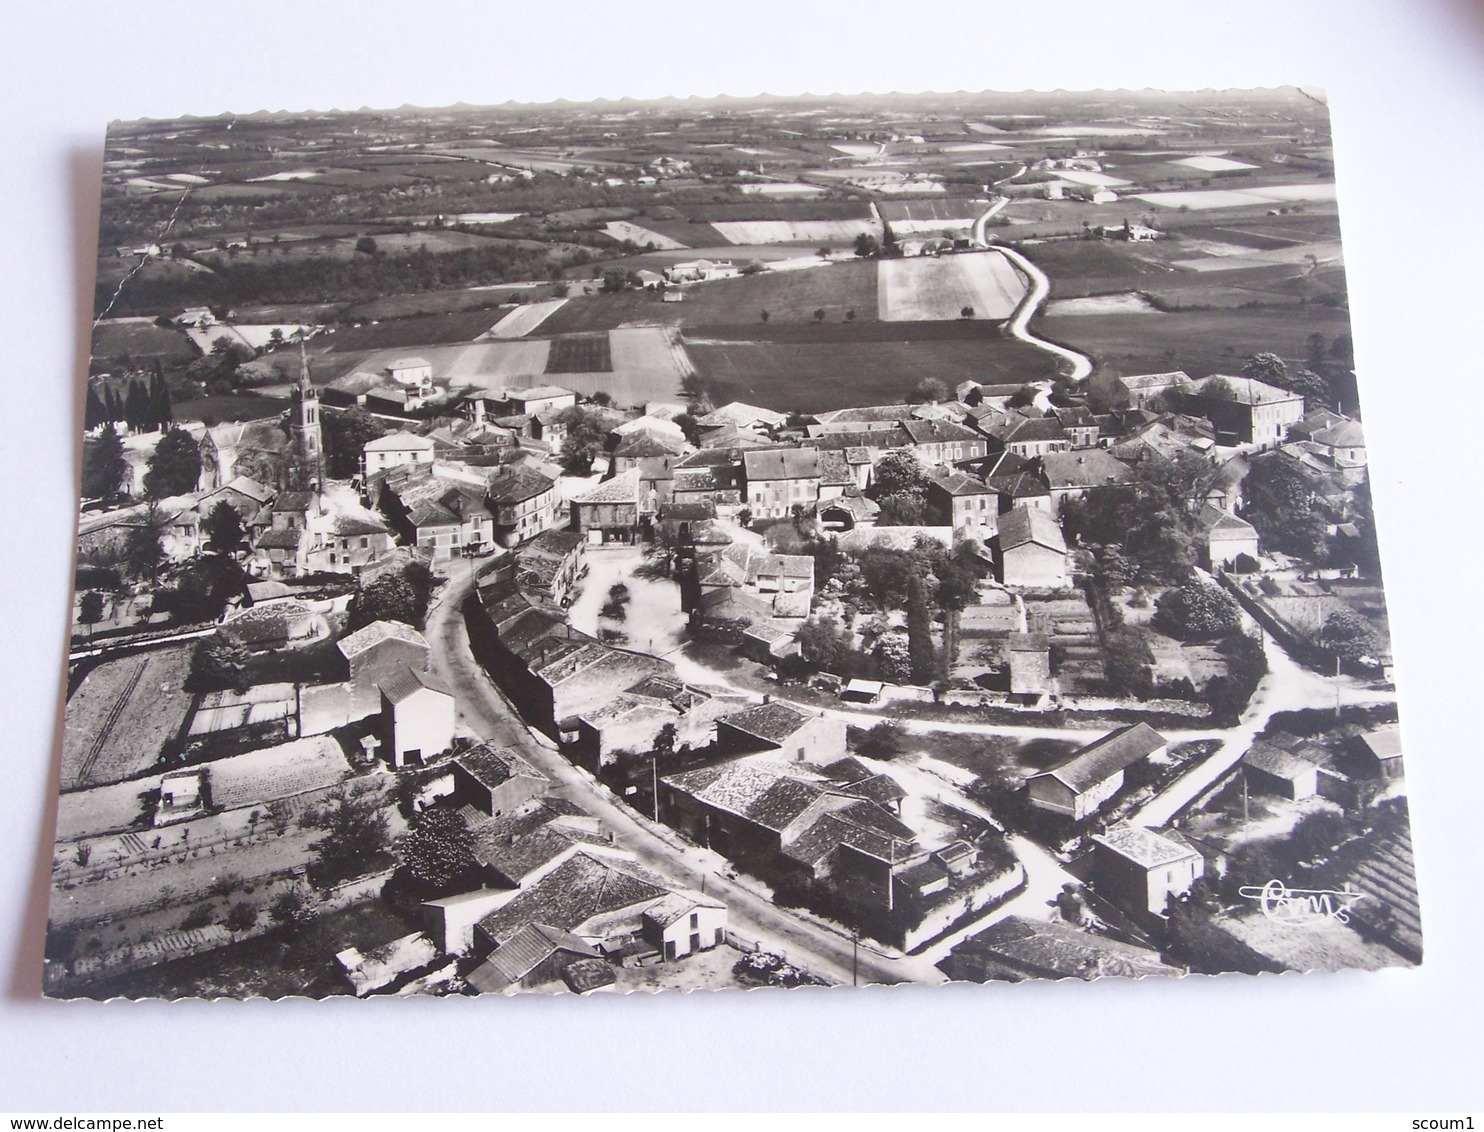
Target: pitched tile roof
[
  {"x": 1087, "y": 467},
  {"x": 587, "y": 885},
  {"x": 1095, "y": 762},
  {"x": 1025, "y": 524},
  {"x": 491, "y": 766},
  {"x": 774, "y": 721},
  {"x": 1144, "y": 847},
  {"x": 377, "y": 632},
  {"x": 402, "y": 685},
  {"x": 781, "y": 463}
]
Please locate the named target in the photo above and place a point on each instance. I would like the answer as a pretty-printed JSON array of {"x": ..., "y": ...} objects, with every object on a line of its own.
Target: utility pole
[
  {"x": 855, "y": 957},
  {"x": 654, "y": 784},
  {"x": 1337, "y": 687}
]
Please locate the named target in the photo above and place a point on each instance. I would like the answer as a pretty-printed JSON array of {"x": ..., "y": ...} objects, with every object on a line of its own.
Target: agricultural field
[
  {"x": 1201, "y": 200},
  {"x": 427, "y": 330},
  {"x": 1198, "y": 341},
  {"x": 622, "y": 230},
  {"x": 519, "y": 322},
  {"x": 140, "y": 338},
  {"x": 849, "y": 365},
  {"x": 122, "y": 715},
  {"x": 818, "y": 232},
  {"x": 444, "y": 302},
  {"x": 787, "y": 296},
  {"x": 930, "y": 216},
  {"x": 580, "y": 353},
  {"x": 486, "y": 363},
  {"x": 939, "y": 288}
]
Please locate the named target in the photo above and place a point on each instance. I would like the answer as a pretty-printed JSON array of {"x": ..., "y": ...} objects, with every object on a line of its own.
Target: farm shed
[{"x": 1079, "y": 786}]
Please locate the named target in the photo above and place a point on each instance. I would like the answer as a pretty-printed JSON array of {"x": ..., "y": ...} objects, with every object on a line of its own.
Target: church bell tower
[{"x": 304, "y": 425}]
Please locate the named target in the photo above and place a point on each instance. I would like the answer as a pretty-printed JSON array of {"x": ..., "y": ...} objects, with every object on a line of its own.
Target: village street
[
  {"x": 484, "y": 711},
  {"x": 1287, "y": 686}
]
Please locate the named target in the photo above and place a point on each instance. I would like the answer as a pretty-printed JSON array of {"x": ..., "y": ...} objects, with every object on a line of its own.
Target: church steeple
[{"x": 304, "y": 423}]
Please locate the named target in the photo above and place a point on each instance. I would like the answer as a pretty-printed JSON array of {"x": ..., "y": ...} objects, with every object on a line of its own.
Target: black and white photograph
[
  {"x": 819, "y": 560},
  {"x": 701, "y": 544}
]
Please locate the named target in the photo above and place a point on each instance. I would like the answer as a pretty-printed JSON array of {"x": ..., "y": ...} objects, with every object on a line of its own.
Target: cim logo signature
[{"x": 1279, "y": 902}]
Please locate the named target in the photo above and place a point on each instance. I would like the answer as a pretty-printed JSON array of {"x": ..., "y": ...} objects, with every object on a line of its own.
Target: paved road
[
  {"x": 1288, "y": 686},
  {"x": 485, "y": 711}
]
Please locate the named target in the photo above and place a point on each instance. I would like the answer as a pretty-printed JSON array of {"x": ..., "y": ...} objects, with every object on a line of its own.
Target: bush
[
  {"x": 1197, "y": 611},
  {"x": 242, "y": 917},
  {"x": 886, "y": 740}
]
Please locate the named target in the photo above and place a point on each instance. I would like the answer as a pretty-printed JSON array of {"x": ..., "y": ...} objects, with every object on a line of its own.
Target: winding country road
[
  {"x": 1039, "y": 289},
  {"x": 485, "y": 712}
]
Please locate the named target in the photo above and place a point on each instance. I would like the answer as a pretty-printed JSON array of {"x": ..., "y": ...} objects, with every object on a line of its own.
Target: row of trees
[
  {"x": 144, "y": 407},
  {"x": 174, "y": 468}
]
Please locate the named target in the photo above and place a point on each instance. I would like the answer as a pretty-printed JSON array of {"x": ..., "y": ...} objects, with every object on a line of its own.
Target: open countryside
[{"x": 780, "y": 542}]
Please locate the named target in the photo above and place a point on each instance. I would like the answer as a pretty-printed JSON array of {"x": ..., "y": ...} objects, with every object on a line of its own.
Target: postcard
[{"x": 707, "y": 544}]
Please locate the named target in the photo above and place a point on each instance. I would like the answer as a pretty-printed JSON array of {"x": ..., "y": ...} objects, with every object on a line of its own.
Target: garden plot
[
  {"x": 795, "y": 231},
  {"x": 524, "y": 319},
  {"x": 122, "y": 715},
  {"x": 934, "y": 289},
  {"x": 622, "y": 230},
  {"x": 580, "y": 353}
]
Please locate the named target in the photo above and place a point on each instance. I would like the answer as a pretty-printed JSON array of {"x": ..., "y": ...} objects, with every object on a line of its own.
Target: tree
[
  {"x": 1265, "y": 367},
  {"x": 1317, "y": 347},
  {"x": 437, "y": 853},
  {"x": 687, "y": 424},
  {"x": 136, "y": 407},
  {"x": 290, "y": 909},
  {"x": 764, "y": 315},
  {"x": 275, "y": 339},
  {"x": 928, "y": 389},
  {"x": 1342, "y": 351},
  {"x": 104, "y": 466},
  {"x": 143, "y": 549},
  {"x": 966, "y": 312},
  {"x": 355, "y": 831},
  {"x": 202, "y": 589},
  {"x": 90, "y": 609},
  {"x": 898, "y": 471},
  {"x": 587, "y": 438},
  {"x": 903, "y": 509},
  {"x": 867, "y": 245},
  {"x": 893, "y": 656},
  {"x": 886, "y": 740},
  {"x": 826, "y": 646},
  {"x": 921, "y": 654},
  {"x": 175, "y": 467},
  {"x": 160, "y": 412},
  {"x": 224, "y": 531},
  {"x": 1280, "y": 501},
  {"x": 819, "y": 314},
  {"x": 366, "y": 245},
  {"x": 95, "y": 413},
  {"x": 220, "y": 663},
  {"x": 616, "y": 608},
  {"x": 1349, "y": 636},
  {"x": 242, "y": 917},
  {"x": 1197, "y": 611},
  {"x": 346, "y": 435}
]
